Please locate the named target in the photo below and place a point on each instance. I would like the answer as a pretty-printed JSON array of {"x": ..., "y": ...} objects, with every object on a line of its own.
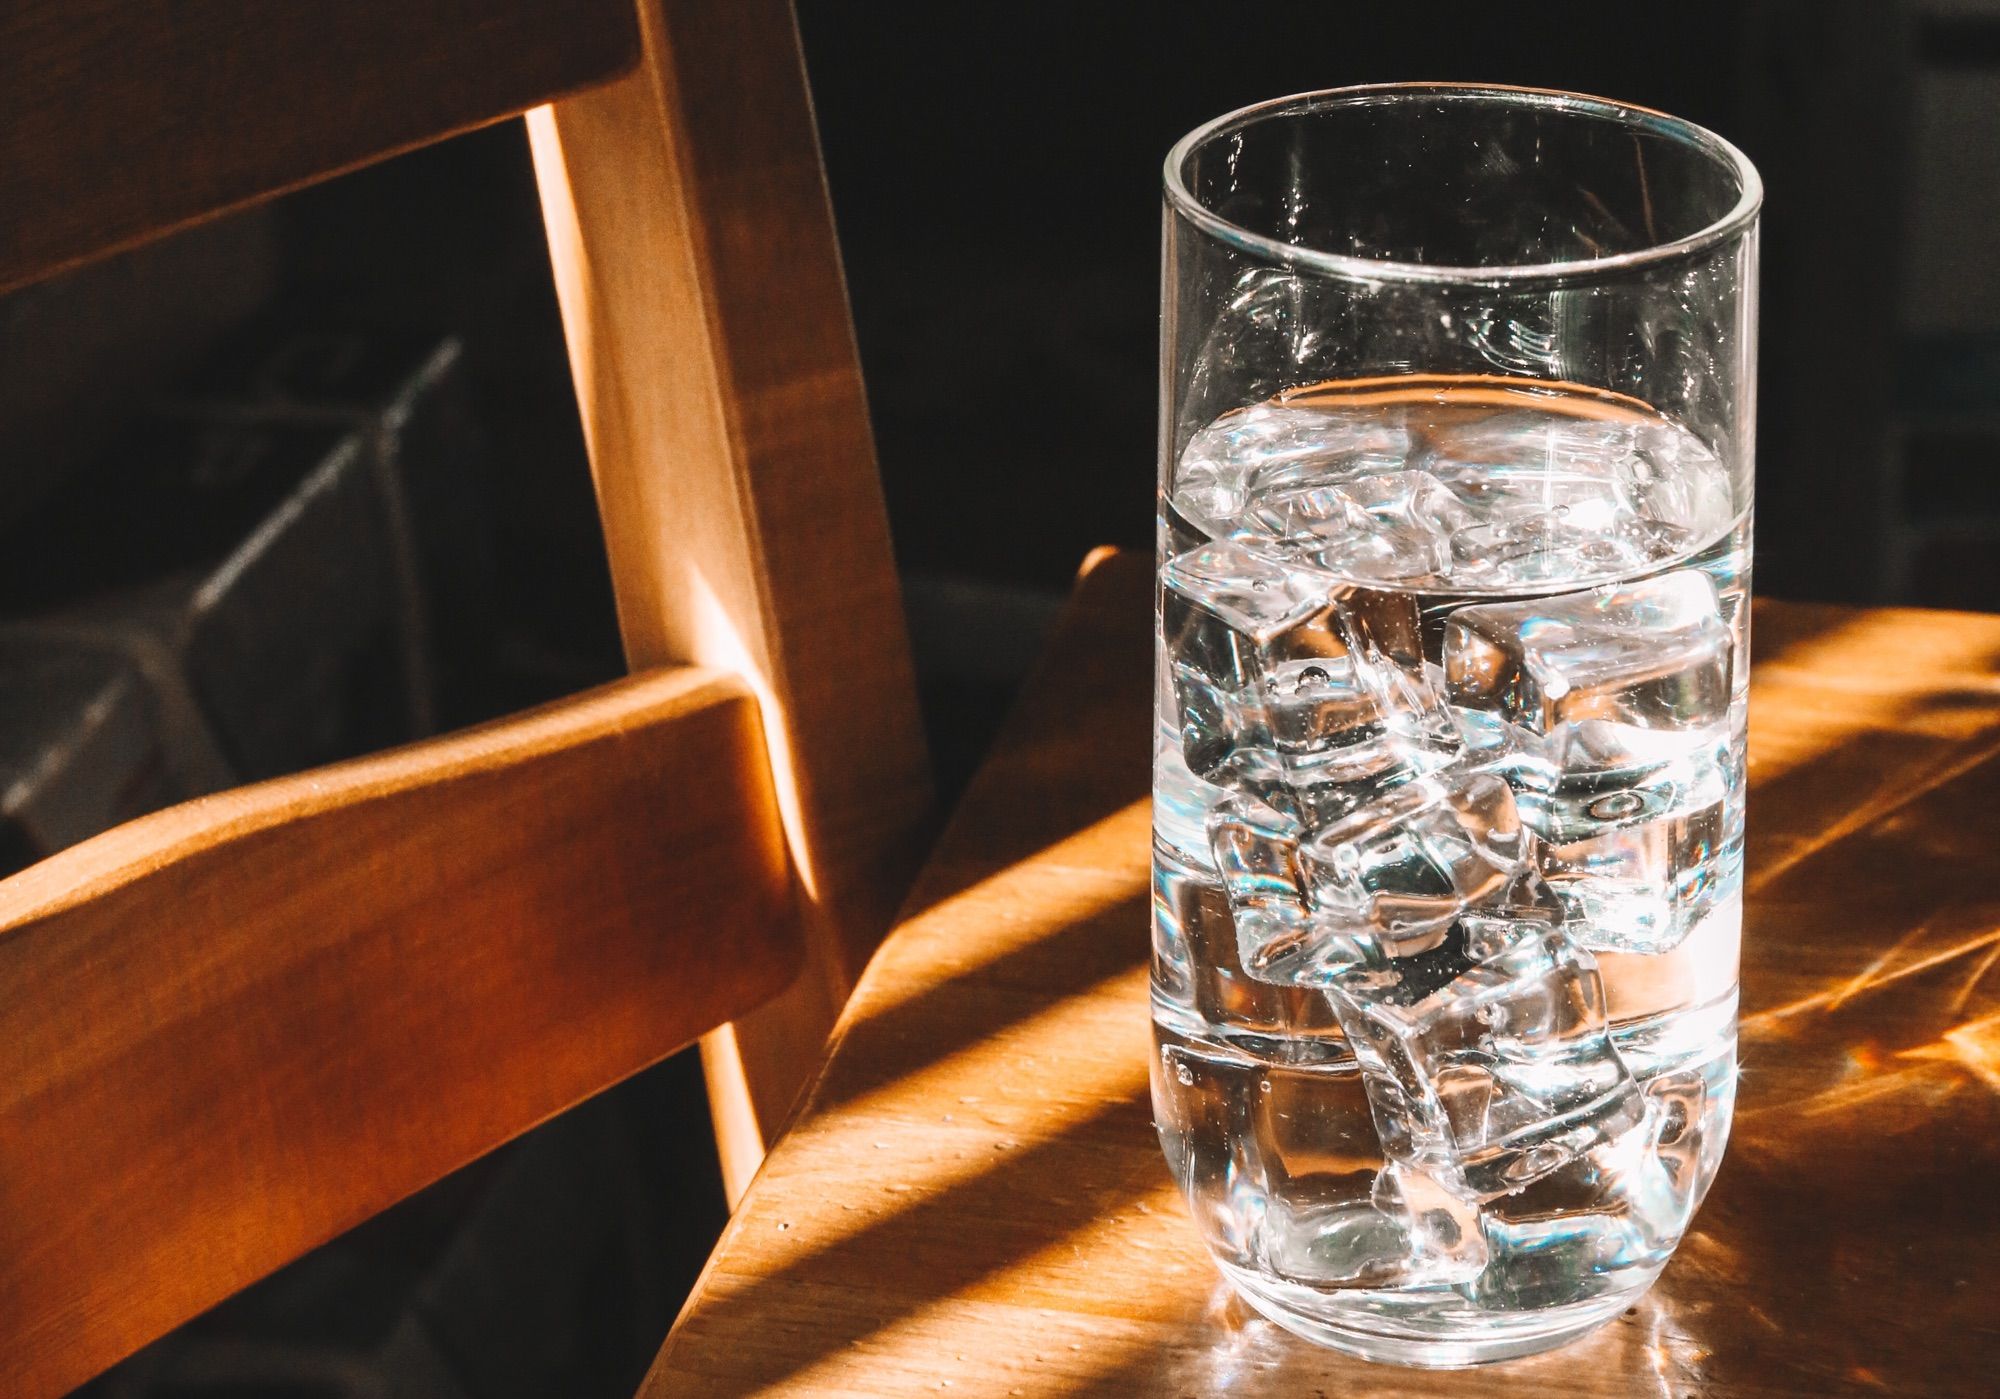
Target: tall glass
[{"x": 1457, "y": 404}]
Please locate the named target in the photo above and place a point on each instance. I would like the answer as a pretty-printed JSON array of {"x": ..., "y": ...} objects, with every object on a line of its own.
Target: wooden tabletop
[{"x": 972, "y": 1201}]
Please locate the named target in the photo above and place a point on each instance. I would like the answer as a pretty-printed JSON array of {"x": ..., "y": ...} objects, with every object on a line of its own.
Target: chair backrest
[{"x": 232, "y": 1029}]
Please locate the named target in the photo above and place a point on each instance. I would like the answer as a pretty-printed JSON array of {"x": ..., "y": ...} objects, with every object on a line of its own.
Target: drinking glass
[{"x": 1457, "y": 406}]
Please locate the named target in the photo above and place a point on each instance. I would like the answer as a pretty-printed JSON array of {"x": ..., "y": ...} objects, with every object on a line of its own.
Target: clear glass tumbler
[{"x": 1457, "y": 404}]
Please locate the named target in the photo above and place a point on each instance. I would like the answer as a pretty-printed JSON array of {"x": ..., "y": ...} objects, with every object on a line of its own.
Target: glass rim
[{"x": 1351, "y": 267}]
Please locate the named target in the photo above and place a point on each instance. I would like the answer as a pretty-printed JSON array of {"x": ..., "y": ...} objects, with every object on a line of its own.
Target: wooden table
[{"x": 972, "y": 1201}]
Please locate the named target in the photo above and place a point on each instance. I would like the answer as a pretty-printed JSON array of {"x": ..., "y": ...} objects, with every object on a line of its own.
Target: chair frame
[{"x": 232, "y": 1029}]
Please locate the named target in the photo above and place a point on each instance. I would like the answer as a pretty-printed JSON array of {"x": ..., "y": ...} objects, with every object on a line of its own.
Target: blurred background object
[{"x": 309, "y": 481}]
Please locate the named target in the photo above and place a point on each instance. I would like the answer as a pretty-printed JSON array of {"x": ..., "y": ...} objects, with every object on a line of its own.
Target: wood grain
[
  {"x": 121, "y": 120},
  {"x": 233, "y": 1029},
  {"x": 972, "y": 1201},
  {"x": 708, "y": 332}
]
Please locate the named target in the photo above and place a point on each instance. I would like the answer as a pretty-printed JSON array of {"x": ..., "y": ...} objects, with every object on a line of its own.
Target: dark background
[{"x": 994, "y": 170}]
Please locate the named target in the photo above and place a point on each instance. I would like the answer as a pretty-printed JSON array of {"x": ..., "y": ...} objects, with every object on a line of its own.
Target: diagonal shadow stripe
[
  {"x": 975, "y": 1005},
  {"x": 772, "y": 1325}
]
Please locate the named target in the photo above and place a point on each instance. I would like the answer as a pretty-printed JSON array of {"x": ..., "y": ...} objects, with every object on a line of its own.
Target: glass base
[{"x": 1434, "y": 1338}]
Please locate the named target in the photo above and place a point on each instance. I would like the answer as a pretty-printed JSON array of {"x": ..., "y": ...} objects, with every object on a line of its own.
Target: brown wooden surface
[
  {"x": 233, "y": 1029},
  {"x": 124, "y": 119},
  {"x": 973, "y": 1202},
  {"x": 708, "y": 332}
]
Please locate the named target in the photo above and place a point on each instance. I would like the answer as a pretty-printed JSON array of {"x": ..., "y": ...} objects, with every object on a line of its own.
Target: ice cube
[
  {"x": 1681, "y": 1131},
  {"x": 1223, "y": 608},
  {"x": 1406, "y": 1230},
  {"x": 1387, "y": 527},
  {"x": 1585, "y": 1227},
  {"x": 1274, "y": 447},
  {"x": 1376, "y": 1000},
  {"x": 1252, "y": 1134},
  {"x": 1570, "y": 804},
  {"x": 1285, "y": 677},
  {"x": 1384, "y": 633},
  {"x": 1201, "y": 969},
  {"x": 1256, "y": 848},
  {"x": 1643, "y": 888},
  {"x": 1634, "y": 661},
  {"x": 1335, "y": 1243},
  {"x": 1335, "y": 1213},
  {"x": 1315, "y": 1141},
  {"x": 1489, "y": 1073},
  {"x": 1508, "y": 751},
  {"x": 1444, "y": 1242},
  {"x": 1554, "y": 498},
  {"x": 1550, "y": 546},
  {"x": 1304, "y": 1165},
  {"x": 1626, "y": 687},
  {"x": 1402, "y": 869},
  {"x": 1176, "y": 900},
  {"x": 1671, "y": 476},
  {"x": 1524, "y": 908},
  {"x": 1542, "y": 1001},
  {"x": 1515, "y": 451}
]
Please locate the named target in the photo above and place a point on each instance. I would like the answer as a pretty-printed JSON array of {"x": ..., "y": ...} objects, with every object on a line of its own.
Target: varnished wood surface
[
  {"x": 715, "y": 366},
  {"x": 233, "y": 1029},
  {"x": 973, "y": 1202},
  {"x": 124, "y": 119}
]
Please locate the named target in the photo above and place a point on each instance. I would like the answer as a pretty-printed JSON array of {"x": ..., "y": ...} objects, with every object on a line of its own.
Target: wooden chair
[{"x": 233, "y": 1029}]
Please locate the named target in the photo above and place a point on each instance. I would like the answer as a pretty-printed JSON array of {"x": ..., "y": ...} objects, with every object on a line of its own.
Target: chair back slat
[
  {"x": 233, "y": 1029},
  {"x": 124, "y": 119}
]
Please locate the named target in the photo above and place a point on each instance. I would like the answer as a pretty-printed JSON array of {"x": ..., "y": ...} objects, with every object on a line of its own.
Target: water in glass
[{"x": 1448, "y": 849}]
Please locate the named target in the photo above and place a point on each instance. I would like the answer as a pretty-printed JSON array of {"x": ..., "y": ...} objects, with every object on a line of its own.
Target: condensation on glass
[{"x": 1457, "y": 407}]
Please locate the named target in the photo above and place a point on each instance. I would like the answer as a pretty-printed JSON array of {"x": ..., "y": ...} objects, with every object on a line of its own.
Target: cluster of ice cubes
[
  {"x": 1495, "y": 501},
  {"x": 1439, "y": 800}
]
